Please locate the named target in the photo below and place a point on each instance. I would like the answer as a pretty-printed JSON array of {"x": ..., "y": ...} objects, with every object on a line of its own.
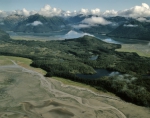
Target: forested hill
[
  {"x": 132, "y": 30},
  {"x": 92, "y": 42},
  {"x": 4, "y": 35}
]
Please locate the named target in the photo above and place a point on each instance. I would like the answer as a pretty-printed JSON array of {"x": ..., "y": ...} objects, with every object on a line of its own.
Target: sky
[
  {"x": 71, "y": 5},
  {"x": 126, "y": 8}
]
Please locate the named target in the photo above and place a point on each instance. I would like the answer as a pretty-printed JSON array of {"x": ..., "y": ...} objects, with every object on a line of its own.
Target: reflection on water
[
  {"x": 94, "y": 57},
  {"x": 99, "y": 73},
  {"x": 109, "y": 40},
  {"x": 59, "y": 35},
  {"x": 119, "y": 40},
  {"x": 52, "y": 33}
]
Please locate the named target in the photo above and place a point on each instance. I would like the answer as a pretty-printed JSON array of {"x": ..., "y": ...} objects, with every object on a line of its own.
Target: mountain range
[
  {"x": 117, "y": 26},
  {"x": 11, "y": 21},
  {"x": 133, "y": 30},
  {"x": 40, "y": 24}
]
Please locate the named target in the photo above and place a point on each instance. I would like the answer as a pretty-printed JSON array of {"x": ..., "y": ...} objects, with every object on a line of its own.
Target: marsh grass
[
  {"x": 6, "y": 60},
  {"x": 142, "y": 50}
]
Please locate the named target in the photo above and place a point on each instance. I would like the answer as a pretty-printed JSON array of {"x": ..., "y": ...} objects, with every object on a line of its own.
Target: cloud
[
  {"x": 130, "y": 25},
  {"x": 95, "y": 11},
  {"x": 48, "y": 11},
  {"x": 89, "y": 12},
  {"x": 134, "y": 12},
  {"x": 109, "y": 40},
  {"x": 114, "y": 73},
  {"x": 3, "y": 14},
  {"x": 84, "y": 11},
  {"x": 145, "y": 5},
  {"x": 67, "y": 13},
  {"x": 109, "y": 13},
  {"x": 24, "y": 12},
  {"x": 73, "y": 34},
  {"x": 142, "y": 19},
  {"x": 81, "y": 26},
  {"x": 2, "y": 23},
  {"x": 137, "y": 11},
  {"x": 96, "y": 21},
  {"x": 93, "y": 21},
  {"x": 35, "y": 23}
]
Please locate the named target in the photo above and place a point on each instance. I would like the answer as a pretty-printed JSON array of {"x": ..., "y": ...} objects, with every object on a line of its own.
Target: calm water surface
[{"x": 100, "y": 73}]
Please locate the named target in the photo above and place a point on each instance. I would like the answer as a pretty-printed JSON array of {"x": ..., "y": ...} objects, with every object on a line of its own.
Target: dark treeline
[{"x": 130, "y": 91}]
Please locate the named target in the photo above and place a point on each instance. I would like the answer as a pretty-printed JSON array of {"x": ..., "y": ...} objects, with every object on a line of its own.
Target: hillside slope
[
  {"x": 132, "y": 30},
  {"x": 4, "y": 35}
]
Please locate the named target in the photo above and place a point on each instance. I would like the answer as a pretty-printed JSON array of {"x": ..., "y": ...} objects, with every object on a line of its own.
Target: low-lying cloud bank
[
  {"x": 96, "y": 20},
  {"x": 141, "y": 19},
  {"x": 130, "y": 25},
  {"x": 81, "y": 26},
  {"x": 93, "y": 21},
  {"x": 135, "y": 12},
  {"x": 35, "y": 23},
  {"x": 2, "y": 23}
]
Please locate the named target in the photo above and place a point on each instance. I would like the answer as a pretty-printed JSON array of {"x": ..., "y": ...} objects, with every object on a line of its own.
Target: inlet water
[{"x": 99, "y": 73}]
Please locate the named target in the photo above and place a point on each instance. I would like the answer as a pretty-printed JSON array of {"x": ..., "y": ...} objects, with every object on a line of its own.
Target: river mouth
[{"x": 99, "y": 73}]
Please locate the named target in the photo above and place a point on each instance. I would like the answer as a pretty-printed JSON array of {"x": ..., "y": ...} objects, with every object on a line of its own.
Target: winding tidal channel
[{"x": 26, "y": 93}]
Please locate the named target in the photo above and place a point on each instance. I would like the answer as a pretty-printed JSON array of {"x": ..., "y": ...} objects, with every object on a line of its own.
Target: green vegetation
[
  {"x": 66, "y": 58},
  {"x": 142, "y": 50},
  {"x": 4, "y": 35},
  {"x": 98, "y": 29},
  {"x": 36, "y": 38},
  {"x": 129, "y": 88},
  {"x": 133, "y": 30},
  {"x": 6, "y": 60}
]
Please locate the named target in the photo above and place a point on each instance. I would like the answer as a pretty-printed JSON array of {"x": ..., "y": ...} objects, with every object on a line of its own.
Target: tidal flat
[{"x": 26, "y": 93}]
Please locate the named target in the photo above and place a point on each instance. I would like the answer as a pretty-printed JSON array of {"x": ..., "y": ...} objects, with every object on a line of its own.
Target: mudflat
[{"x": 26, "y": 93}]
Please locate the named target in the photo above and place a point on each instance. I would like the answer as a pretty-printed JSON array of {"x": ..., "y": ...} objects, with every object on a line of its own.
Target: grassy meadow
[{"x": 142, "y": 50}]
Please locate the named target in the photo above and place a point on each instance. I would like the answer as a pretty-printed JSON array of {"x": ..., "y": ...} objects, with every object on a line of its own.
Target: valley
[{"x": 70, "y": 63}]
